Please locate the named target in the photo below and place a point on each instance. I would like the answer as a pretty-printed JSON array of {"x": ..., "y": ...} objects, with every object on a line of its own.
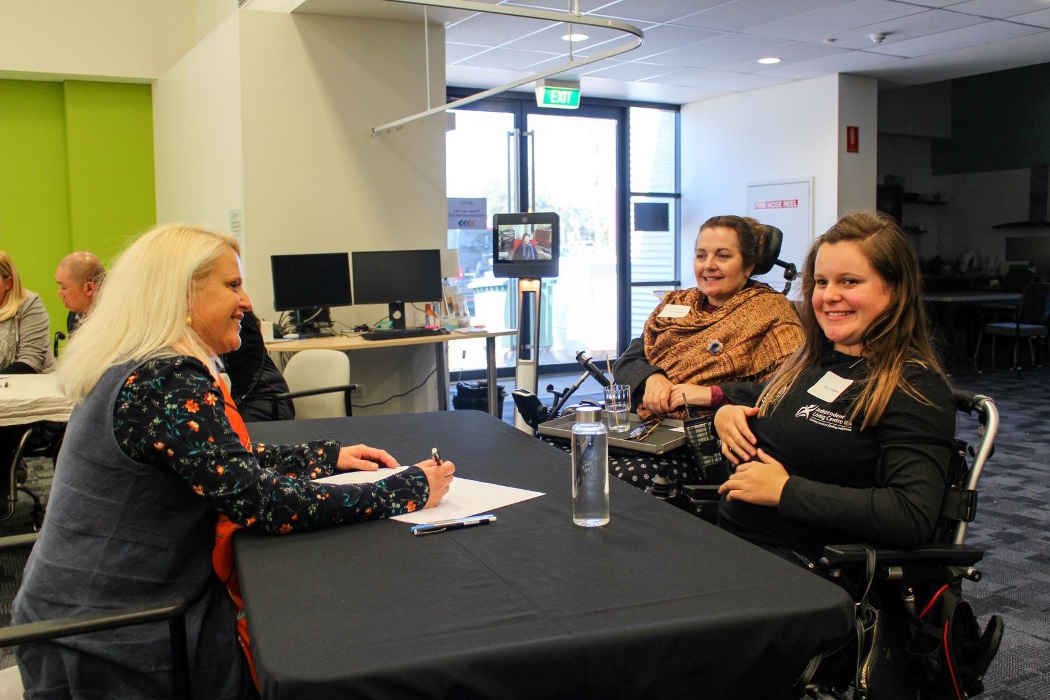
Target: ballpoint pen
[
  {"x": 454, "y": 524},
  {"x": 434, "y": 455}
]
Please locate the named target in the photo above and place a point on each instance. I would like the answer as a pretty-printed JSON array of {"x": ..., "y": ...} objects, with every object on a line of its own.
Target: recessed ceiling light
[
  {"x": 575, "y": 36},
  {"x": 769, "y": 60}
]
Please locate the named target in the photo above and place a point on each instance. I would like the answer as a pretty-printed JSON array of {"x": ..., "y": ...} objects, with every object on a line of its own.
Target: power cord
[{"x": 397, "y": 396}]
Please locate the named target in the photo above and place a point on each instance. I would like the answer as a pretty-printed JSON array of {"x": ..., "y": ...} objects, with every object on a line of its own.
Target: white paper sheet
[{"x": 465, "y": 497}]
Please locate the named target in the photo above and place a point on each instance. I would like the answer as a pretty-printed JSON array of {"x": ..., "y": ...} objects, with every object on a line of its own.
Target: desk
[
  {"x": 658, "y": 604},
  {"x": 29, "y": 398},
  {"x": 356, "y": 342},
  {"x": 945, "y": 306}
]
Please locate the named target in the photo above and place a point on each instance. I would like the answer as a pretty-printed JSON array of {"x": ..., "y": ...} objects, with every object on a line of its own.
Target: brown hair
[
  {"x": 748, "y": 235},
  {"x": 897, "y": 336}
]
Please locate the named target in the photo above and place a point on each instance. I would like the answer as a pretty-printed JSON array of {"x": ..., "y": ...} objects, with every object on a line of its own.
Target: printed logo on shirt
[{"x": 824, "y": 418}]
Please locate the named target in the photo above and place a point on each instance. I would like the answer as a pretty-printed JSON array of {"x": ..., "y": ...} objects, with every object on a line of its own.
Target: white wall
[
  {"x": 857, "y": 106},
  {"x": 127, "y": 40},
  {"x": 197, "y": 132},
  {"x": 272, "y": 114},
  {"x": 782, "y": 132}
]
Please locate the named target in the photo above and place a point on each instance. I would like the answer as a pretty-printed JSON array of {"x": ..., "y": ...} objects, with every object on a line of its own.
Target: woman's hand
[
  {"x": 439, "y": 476},
  {"x": 657, "y": 396},
  {"x": 738, "y": 442},
  {"x": 364, "y": 458},
  {"x": 693, "y": 394},
  {"x": 760, "y": 482}
]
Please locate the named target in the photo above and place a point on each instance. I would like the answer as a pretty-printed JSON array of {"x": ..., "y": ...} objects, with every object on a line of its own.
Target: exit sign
[{"x": 558, "y": 94}]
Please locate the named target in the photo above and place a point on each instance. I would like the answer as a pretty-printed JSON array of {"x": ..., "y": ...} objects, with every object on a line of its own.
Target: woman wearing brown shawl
[{"x": 726, "y": 329}]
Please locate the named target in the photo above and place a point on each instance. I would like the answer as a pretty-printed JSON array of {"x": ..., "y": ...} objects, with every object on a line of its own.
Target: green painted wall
[{"x": 76, "y": 173}]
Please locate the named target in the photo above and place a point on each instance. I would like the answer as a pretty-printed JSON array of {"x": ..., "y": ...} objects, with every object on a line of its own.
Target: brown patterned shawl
[{"x": 757, "y": 330}]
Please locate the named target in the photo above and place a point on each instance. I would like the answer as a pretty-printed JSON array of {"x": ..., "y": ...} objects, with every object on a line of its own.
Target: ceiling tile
[
  {"x": 983, "y": 33},
  {"x": 715, "y": 50},
  {"x": 999, "y": 9},
  {"x": 718, "y": 80},
  {"x": 739, "y": 15},
  {"x": 851, "y": 62},
  {"x": 827, "y": 22},
  {"x": 656, "y": 10}
]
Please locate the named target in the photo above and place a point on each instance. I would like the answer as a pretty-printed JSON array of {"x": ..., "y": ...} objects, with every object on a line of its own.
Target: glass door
[{"x": 518, "y": 158}]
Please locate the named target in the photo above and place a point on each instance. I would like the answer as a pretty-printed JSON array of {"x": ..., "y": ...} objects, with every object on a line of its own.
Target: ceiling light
[
  {"x": 768, "y": 61},
  {"x": 575, "y": 36}
]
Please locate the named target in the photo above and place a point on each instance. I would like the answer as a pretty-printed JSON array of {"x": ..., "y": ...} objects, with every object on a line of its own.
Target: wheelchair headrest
[{"x": 769, "y": 249}]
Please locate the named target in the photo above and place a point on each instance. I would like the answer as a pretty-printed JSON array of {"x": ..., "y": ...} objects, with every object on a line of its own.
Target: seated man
[
  {"x": 254, "y": 376},
  {"x": 78, "y": 275}
]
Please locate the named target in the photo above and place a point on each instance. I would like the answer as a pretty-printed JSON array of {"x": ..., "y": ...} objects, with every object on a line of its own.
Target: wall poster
[{"x": 788, "y": 205}]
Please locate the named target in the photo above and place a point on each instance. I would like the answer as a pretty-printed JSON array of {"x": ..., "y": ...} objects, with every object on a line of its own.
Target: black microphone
[{"x": 592, "y": 369}]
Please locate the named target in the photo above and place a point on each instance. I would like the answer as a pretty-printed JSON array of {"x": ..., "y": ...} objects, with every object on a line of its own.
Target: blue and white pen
[{"x": 454, "y": 524}]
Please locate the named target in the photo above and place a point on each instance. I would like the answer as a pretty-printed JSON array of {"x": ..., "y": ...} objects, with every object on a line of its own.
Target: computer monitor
[
  {"x": 396, "y": 277},
  {"x": 525, "y": 245},
  {"x": 308, "y": 285}
]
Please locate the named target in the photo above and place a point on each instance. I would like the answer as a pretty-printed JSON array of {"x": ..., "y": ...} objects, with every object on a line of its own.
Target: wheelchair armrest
[
  {"x": 701, "y": 492},
  {"x": 837, "y": 556}
]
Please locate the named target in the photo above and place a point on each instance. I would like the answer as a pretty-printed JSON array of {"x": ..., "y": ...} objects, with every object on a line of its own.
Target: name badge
[
  {"x": 830, "y": 387},
  {"x": 674, "y": 311}
]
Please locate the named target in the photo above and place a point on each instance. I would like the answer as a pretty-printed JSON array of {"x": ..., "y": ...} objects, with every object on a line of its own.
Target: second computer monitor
[{"x": 396, "y": 277}]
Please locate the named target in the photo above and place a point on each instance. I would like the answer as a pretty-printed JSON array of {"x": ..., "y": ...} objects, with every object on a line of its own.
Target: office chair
[
  {"x": 42, "y": 439},
  {"x": 1029, "y": 322},
  {"x": 319, "y": 384},
  {"x": 172, "y": 611},
  {"x": 907, "y": 584}
]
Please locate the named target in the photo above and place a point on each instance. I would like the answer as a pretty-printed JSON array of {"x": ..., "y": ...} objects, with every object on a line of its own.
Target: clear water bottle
[{"x": 590, "y": 468}]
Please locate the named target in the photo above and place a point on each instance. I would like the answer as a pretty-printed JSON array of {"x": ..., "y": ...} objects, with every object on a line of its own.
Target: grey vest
[{"x": 121, "y": 533}]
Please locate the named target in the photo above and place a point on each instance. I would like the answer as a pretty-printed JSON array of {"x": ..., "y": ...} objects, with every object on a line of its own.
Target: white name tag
[
  {"x": 830, "y": 387},
  {"x": 674, "y": 311}
]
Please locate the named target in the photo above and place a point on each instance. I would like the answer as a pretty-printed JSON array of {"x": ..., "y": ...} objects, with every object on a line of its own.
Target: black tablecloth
[{"x": 656, "y": 604}]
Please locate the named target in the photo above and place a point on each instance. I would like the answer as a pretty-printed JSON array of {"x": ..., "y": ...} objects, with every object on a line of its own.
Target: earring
[{"x": 189, "y": 320}]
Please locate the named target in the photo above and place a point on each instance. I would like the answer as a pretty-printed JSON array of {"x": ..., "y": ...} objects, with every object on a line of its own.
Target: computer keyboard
[{"x": 397, "y": 333}]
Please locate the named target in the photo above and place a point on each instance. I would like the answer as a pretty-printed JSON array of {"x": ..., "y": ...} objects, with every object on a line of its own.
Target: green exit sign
[{"x": 558, "y": 96}]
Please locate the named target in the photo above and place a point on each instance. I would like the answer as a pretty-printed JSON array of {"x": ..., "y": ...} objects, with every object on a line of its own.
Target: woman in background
[
  {"x": 156, "y": 461},
  {"x": 25, "y": 336},
  {"x": 728, "y": 328},
  {"x": 850, "y": 441}
]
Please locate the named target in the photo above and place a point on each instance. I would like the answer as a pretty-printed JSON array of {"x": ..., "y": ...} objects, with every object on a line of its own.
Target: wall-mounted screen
[
  {"x": 397, "y": 277},
  {"x": 525, "y": 245}
]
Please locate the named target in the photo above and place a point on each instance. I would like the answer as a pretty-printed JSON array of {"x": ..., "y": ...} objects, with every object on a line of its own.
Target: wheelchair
[{"x": 905, "y": 587}]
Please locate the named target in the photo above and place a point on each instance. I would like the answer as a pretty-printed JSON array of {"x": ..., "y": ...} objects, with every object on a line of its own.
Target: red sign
[
  {"x": 852, "y": 139},
  {"x": 777, "y": 204}
]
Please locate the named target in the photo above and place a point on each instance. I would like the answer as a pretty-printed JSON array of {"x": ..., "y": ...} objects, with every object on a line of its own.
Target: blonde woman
[
  {"x": 25, "y": 342},
  {"x": 156, "y": 461}
]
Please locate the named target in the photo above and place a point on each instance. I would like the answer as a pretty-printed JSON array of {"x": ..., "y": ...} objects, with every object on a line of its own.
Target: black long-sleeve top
[{"x": 884, "y": 484}]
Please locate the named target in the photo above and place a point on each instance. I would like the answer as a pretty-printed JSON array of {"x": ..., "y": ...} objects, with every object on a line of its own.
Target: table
[
  {"x": 945, "y": 306},
  {"x": 356, "y": 342},
  {"x": 29, "y": 398},
  {"x": 658, "y": 604}
]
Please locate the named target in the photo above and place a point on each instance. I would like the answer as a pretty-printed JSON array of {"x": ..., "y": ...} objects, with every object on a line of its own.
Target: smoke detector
[{"x": 877, "y": 38}]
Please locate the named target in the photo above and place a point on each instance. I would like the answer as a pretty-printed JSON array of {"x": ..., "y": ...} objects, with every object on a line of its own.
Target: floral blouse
[{"x": 170, "y": 413}]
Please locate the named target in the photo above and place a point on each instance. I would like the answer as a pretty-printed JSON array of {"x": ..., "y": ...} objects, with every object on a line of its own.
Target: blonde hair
[
  {"x": 142, "y": 310},
  {"x": 15, "y": 297},
  {"x": 898, "y": 336}
]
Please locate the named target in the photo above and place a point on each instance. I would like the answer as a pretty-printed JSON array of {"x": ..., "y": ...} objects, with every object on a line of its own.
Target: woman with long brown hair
[{"x": 850, "y": 440}]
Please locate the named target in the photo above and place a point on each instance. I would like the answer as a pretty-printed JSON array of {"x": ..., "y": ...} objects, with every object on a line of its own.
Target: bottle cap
[{"x": 588, "y": 414}]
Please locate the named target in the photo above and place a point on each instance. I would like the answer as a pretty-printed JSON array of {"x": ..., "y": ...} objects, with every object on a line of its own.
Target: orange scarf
[
  {"x": 744, "y": 340},
  {"x": 222, "y": 553}
]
